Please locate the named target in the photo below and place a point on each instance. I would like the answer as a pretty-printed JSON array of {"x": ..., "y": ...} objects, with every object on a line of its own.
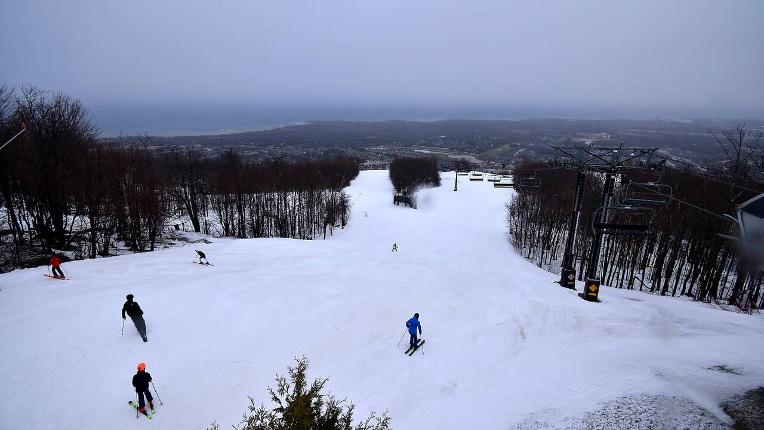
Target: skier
[
  {"x": 136, "y": 314},
  {"x": 55, "y": 264},
  {"x": 141, "y": 383},
  {"x": 413, "y": 324},
  {"x": 202, "y": 257},
  {"x": 395, "y": 247}
]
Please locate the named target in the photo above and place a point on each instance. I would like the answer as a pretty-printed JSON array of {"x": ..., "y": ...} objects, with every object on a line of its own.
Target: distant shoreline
[
  {"x": 105, "y": 133},
  {"x": 188, "y": 133},
  {"x": 175, "y": 121}
]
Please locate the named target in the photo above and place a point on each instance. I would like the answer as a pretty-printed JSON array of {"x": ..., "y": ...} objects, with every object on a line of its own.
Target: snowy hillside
[{"x": 504, "y": 343}]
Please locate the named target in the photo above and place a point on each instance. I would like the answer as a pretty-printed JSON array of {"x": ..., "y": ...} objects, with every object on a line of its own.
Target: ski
[
  {"x": 135, "y": 406},
  {"x": 203, "y": 264},
  {"x": 411, "y": 351},
  {"x": 56, "y": 277}
]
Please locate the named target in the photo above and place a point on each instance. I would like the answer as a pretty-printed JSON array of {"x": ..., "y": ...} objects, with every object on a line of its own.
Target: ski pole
[
  {"x": 123, "y": 326},
  {"x": 157, "y": 393},
  {"x": 136, "y": 409},
  {"x": 404, "y": 334}
]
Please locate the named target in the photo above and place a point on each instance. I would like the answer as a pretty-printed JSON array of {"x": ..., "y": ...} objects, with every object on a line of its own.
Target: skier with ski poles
[
  {"x": 141, "y": 381},
  {"x": 413, "y": 325},
  {"x": 55, "y": 264},
  {"x": 136, "y": 314}
]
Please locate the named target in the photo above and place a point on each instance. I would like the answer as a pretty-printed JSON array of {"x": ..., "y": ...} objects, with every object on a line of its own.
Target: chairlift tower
[
  {"x": 568, "y": 273},
  {"x": 612, "y": 217}
]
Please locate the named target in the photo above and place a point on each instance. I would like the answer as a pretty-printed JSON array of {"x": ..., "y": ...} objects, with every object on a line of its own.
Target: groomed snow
[{"x": 504, "y": 342}]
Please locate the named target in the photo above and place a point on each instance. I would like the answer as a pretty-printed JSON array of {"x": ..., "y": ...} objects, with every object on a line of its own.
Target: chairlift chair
[
  {"x": 750, "y": 217},
  {"x": 476, "y": 176},
  {"x": 529, "y": 182},
  {"x": 623, "y": 220},
  {"x": 647, "y": 194}
]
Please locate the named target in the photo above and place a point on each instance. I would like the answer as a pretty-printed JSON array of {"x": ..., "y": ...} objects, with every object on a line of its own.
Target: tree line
[
  {"x": 681, "y": 255},
  {"x": 64, "y": 189},
  {"x": 407, "y": 174}
]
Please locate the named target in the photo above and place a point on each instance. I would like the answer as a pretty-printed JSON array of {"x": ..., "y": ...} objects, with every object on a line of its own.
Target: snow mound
[{"x": 638, "y": 412}]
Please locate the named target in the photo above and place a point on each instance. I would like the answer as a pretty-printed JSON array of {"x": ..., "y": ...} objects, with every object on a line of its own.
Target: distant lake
[
  {"x": 176, "y": 120},
  {"x": 196, "y": 120},
  {"x": 181, "y": 120}
]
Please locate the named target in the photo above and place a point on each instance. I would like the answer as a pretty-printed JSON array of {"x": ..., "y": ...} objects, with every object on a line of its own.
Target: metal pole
[
  {"x": 568, "y": 272},
  {"x": 11, "y": 139},
  {"x": 592, "y": 286}
]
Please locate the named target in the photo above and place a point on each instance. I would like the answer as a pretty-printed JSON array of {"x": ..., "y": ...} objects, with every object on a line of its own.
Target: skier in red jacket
[{"x": 55, "y": 264}]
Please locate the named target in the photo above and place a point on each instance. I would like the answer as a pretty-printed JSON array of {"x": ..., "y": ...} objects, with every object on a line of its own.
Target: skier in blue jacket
[{"x": 413, "y": 324}]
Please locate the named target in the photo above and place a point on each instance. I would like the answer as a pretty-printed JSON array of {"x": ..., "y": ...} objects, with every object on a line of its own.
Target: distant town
[{"x": 488, "y": 144}]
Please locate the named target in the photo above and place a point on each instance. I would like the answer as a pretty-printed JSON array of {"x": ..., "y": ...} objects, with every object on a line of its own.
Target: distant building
[{"x": 592, "y": 136}]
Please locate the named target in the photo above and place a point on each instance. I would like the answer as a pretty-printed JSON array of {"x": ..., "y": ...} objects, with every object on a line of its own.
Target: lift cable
[
  {"x": 706, "y": 176},
  {"x": 636, "y": 184}
]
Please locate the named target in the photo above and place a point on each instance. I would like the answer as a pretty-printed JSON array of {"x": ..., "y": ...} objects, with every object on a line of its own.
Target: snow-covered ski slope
[{"x": 503, "y": 340}]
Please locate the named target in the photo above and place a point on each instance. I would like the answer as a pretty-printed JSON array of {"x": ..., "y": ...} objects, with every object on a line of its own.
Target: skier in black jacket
[
  {"x": 202, "y": 257},
  {"x": 141, "y": 383},
  {"x": 136, "y": 314}
]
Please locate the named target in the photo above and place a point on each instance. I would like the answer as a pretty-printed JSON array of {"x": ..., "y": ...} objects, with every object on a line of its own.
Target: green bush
[{"x": 299, "y": 407}]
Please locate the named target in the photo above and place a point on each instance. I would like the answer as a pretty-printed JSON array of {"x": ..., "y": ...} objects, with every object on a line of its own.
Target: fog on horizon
[{"x": 687, "y": 57}]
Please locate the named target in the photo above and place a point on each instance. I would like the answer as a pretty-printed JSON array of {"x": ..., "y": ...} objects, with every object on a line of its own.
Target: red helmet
[{"x": 141, "y": 366}]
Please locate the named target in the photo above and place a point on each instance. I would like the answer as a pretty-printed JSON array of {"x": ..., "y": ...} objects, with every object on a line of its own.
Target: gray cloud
[{"x": 689, "y": 54}]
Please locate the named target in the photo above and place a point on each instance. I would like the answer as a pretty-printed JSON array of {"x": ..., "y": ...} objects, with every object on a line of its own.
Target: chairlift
[
  {"x": 647, "y": 194},
  {"x": 656, "y": 167},
  {"x": 623, "y": 220},
  {"x": 476, "y": 176},
  {"x": 527, "y": 182},
  {"x": 750, "y": 219}
]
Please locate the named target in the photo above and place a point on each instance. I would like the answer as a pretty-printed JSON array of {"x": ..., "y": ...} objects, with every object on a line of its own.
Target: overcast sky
[{"x": 692, "y": 54}]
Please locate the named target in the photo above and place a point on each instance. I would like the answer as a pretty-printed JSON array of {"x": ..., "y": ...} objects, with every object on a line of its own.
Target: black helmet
[
  {"x": 416, "y": 315},
  {"x": 129, "y": 297}
]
